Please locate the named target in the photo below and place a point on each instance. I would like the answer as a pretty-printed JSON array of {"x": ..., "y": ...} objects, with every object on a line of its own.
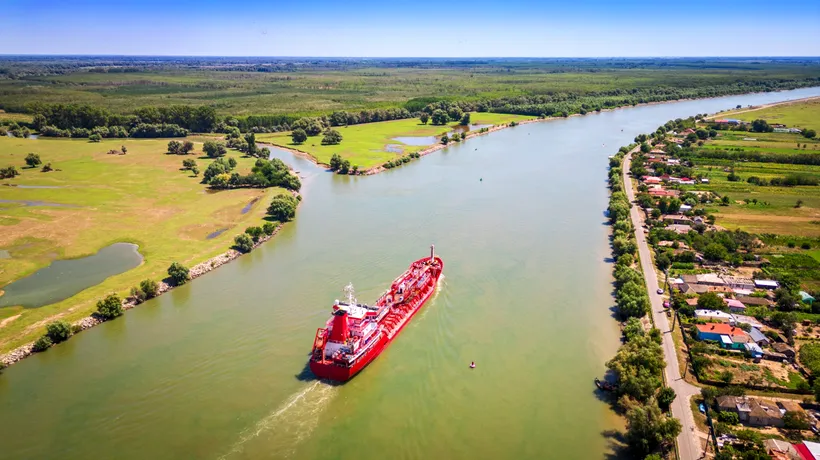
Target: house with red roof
[
  {"x": 651, "y": 180},
  {"x": 728, "y": 336}
]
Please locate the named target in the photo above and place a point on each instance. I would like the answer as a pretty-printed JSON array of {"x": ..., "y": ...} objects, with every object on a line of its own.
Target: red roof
[
  {"x": 685, "y": 178},
  {"x": 656, "y": 192},
  {"x": 722, "y": 329}
]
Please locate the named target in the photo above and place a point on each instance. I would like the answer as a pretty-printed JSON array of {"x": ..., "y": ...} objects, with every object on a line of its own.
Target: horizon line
[{"x": 404, "y": 57}]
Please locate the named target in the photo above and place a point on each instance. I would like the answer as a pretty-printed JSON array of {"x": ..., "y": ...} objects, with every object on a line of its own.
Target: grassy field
[
  {"x": 142, "y": 197},
  {"x": 315, "y": 86},
  {"x": 15, "y": 117},
  {"x": 367, "y": 145},
  {"x": 804, "y": 114}
]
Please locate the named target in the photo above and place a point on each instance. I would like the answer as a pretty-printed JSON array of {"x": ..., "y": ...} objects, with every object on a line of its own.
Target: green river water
[{"x": 216, "y": 369}]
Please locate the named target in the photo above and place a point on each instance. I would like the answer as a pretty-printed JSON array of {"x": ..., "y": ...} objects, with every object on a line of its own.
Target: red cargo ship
[{"x": 356, "y": 333}]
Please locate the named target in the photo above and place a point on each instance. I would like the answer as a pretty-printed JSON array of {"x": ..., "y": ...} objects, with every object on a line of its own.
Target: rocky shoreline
[{"x": 88, "y": 322}]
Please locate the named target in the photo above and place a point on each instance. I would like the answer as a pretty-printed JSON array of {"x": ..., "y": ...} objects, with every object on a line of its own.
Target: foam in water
[{"x": 290, "y": 423}]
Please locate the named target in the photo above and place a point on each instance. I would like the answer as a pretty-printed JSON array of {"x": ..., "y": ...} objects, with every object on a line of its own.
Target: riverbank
[
  {"x": 497, "y": 127},
  {"x": 92, "y": 320}
]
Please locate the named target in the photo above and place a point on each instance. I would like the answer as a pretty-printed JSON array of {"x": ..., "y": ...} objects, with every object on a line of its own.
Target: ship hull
[{"x": 332, "y": 371}]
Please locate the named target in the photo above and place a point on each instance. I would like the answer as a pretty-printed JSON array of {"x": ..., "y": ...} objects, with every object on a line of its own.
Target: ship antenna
[
  {"x": 351, "y": 300},
  {"x": 432, "y": 251}
]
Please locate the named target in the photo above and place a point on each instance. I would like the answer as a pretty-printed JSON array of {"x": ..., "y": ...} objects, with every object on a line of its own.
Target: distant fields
[
  {"x": 141, "y": 197},
  {"x": 366, "y": 145},
  {"x": 804, "y": 114},
  {"x": 310, "y": 88},
  {"x": 765, "y": 209}
]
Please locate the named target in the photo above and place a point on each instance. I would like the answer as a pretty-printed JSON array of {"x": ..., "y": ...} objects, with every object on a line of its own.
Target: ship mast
[
  {"x": 351, "y": 300},
  {"x": 432, "y": 252}
]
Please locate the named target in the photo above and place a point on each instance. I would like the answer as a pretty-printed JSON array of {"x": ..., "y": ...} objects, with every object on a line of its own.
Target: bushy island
[{"x": 639, "y": 363}]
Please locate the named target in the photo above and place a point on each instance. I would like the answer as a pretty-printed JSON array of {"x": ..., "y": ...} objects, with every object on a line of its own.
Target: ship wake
[{"x": 289, "y": 424}]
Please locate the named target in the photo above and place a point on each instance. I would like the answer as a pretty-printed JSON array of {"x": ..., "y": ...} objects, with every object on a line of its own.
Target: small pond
[
  {"x": 39, "y": 203},
  {"x": 249, "y": 206},
  {"x": 213, "y": 235},
  {"x": 64, "y": 278}
]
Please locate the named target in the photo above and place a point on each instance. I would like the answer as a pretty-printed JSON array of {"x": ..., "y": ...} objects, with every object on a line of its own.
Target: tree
[
  {"x": 710, "y": 301},
  {"x": 47, "y": 168},
  {"x": 665, "y": 398},
  {"x": 786, "y": 322},
  {"x": 715, "y": 252},
  {"x": 195, "y": 171},
  {"x": 298, "y": 136},
  {"x": 94, "y": 138},
  {"x": 188, "y": 163},
  {"x": 187, "y": 147},
  {"x": 729, "y": 418},
  {"x": 243, "y": 243},
  {"x": 809, "y": 133},
  {"x": 663, "y": 262},
  {"x": 645, "y": 148},
  {"x": 648, "y": 428},
  {"x": 332, "y": 137},
  {"x": 344, "y": 167},
  {"x": 761, "y": 126},
  {"x": 124, "y": 150},
  {"x": 283, "y": 207},
  {"x": 255, "y": 233},
  {"x": 138, "y": 295},
  {"x": 725, "y": 200},
  {"x": 33, "y": 160},
  {"x": 58, "y": 331},
  {"x": 150, "y": 288},
  {"x": 786, "y": 301},
  {"x": 440, "y": 117},
  {"x": 335, "y": 162},
  {"x": 179, "y": 274},
  {"x": 465, "y": 119},
  {"x": 798, "y": 204},
  {"x": 445, "y": 140},
  {"x": 214, "y": 149},
  {"x": 796, "y": 420},
  {"x": 174, "y": 147},
  {"x": 424, "y": 118},
  {"x": 110, "y": 307}
]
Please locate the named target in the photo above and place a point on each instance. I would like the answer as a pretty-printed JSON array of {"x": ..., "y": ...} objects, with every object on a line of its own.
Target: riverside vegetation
[{"x": 638, "y": 365}]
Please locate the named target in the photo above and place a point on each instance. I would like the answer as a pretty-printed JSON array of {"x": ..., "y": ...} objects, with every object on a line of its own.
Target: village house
[
  {"x": 784, "y": 349},
  {"x": 669, "y": 244},
  {"x": 755, "y": 301},
  {"x": 735, "y": 306},
  {"x": 679, "y": 229},
  {"x": 758, "y": 337},
  {"x": 752, "y": 411},
  {"x": 751, "y": 321},
  {"x": 660, "y": 192},
  {"x": 651, "y": 180},
  {"x": 675, "y": 219},
  {"x": 781, "y": 450},
  {"x": 684, "y": 208},
  {"x": 738, "y": 282},
  {"x": 728, "y": 336},
  {"x": 766, "y": 284},
  {"x": 806, "y": 297},
  {"x": 686, "y": 288},
  {"x": 753, "y": 350}
]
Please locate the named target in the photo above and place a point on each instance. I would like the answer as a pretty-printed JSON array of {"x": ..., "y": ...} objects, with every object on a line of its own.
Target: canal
[{"x": 216, "y": 368}]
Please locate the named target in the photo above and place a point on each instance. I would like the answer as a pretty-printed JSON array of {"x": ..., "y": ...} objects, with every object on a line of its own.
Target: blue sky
[{"x": 548, "y": 28}]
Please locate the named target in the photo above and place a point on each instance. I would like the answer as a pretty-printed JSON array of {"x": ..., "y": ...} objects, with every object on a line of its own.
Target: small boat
[
  {"x": 603, "y": 385},
  {"x": 472, "y": 365}
]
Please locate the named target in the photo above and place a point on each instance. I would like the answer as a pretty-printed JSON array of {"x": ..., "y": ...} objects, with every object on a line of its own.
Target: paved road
[{"x": 688, "y": 441}]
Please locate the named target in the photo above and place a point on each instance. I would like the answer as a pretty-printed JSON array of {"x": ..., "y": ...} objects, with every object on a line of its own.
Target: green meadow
[
  {"x": 142, "y": 197},
  {"x": 372, "y": 144},
  {"x": 804, "y": 114}
]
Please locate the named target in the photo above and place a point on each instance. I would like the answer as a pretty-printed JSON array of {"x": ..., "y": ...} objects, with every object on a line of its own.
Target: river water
[{"x": 216, "y": 369}]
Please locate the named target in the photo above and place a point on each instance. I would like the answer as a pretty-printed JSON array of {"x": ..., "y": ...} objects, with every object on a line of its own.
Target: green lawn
[
  {"x": 366, "y": 145},
  {"x": 14, "y": 117},
  {"x": 141, "y": 197},
  {"x": 804, "y": 114}
]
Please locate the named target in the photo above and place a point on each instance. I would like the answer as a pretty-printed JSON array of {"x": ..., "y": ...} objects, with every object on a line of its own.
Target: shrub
[
  {"x": 137, "y": 294},
  {"x": 179, "y": 274},
  {"x": 729, "y": 418},
  {"x": 214, "y": 149},
  {"x": 298, "y": 136},
  {"x": 255, "y": 233},
  {"x": 332, "y": 137},
  {"x": 110, "y": 307},
  {"x": 47, "y": 168},
  {"x": 283, "y": 207},
  {"x": 243, "y": 243},
  {"x": 269, "y": 228},
  {"x": 42, "y": 344},
  {"x": 58, "y": 331},
  {"x": 9, "y": 172},
  {"x": 150, "y": 288},
  {"x": 94, "y": 138}
]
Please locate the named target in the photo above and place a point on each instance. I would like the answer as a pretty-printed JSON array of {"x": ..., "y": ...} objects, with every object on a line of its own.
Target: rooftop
[
  {"x": 732, "y": 303},
  {"x": 722, "y": 329}
]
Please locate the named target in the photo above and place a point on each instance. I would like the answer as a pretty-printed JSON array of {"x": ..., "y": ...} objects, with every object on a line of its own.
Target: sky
[{"x": 423, "y": 28}]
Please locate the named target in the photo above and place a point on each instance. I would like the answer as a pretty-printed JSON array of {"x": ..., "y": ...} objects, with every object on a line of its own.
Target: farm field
[
  {"x": 14, "y": 117},
  {"x": 804, "y": 114},
  {"x": 142, "y": 197},
  {"x": 372, "y": 144}
]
